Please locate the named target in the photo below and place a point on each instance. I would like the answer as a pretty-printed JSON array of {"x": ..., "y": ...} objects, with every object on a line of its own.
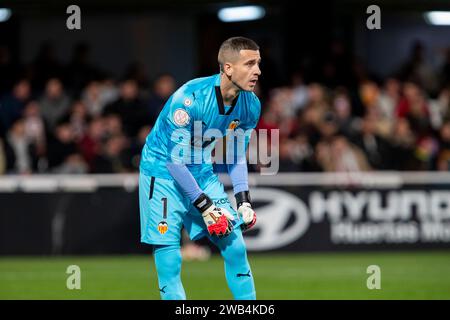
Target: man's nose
[{"x": 258, "y": 71}]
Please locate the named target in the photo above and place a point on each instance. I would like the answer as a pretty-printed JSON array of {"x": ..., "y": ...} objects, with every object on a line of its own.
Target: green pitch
[{"x": 404, "y": 275}]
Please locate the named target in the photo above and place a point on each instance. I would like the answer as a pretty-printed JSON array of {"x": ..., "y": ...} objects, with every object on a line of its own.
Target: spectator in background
[
  {"x": 312, "y": 116},
  {"x": 403, "y": 141},
  {"x": 163, "y": 87},
  {"x": 20, "y": 152},
  {"x": 281, "y": 111},
  {"x": 113, "y": 125},
  {"x": 286, "y": 161},
  {"x": 328, "y": 126},
  {"x": 318, "y": 98},
  {"x": 54, "y": 103},
  {"x": 282, "y": 100},
  {"x": 91, "y": 97},
  {"x": 63, "y": 155},
  {"x": 114, "y": 128},
  {"x": 342, "y": 109},
  {"x": 389, "y": 98},
  {"x": 426, "y": 152},
  {"x": 414, "y": 107},
  {"x": 323, "y": 156},
  {"x": 269, "y": 119},
  {"x": 347, "y": 157},
  {"x": 78, "y": 118},
  {"x": 443, "y": 159},
  {"x": 129, "y": 107},
  {"x": 441, "y": 107},
  {"x": 369, "y": 94},
  {"x": 97, "y": 95},
  {"x": 36, "y": 133},
  {"x": 112, "y": 157},
  {"x": 300, "y": 95},
  {"x": 375, "y": 147},
  {"x": 339, "y": 155},
  {"x": 309, "y": 121},
  {"x": 297, "y": 154},
  {"x": 11, "y": 105},
  {"x": 109, "y": 92},
  {"x": 91, "y": 143}
]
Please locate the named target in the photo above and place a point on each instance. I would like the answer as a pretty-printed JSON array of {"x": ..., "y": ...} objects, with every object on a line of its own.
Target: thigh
[
  {"x": 162, "y": 210},
  {"x": 231, "y": 245}
]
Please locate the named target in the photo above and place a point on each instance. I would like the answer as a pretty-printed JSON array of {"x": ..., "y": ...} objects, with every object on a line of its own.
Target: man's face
[
  {"x": 245, "y": 71},
  {"x": 129, "y": 90}
]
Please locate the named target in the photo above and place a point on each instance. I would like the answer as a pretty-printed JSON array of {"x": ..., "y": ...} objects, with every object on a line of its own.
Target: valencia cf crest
[
  {"x": 163, "y": 227},
  {"x": 234, "y": 124}
]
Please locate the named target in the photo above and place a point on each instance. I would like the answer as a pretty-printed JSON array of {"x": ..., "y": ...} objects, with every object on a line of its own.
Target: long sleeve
[
  {"x": 184, "y": 178},
  {"x": 239, "y": 176}
]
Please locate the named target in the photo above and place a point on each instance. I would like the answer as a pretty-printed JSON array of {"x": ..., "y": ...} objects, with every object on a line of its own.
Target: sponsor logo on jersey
[
  {"x": 221, "y": 201},
  {"x": 187, "y": 102},
  {"x": 181, "y": 117}
]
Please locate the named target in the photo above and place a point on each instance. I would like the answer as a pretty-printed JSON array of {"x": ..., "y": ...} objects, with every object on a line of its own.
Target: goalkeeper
[{"x": 177, "y": 185}]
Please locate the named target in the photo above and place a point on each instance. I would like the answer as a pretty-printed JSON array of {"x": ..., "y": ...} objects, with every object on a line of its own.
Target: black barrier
[
  {"x": 102, "y": 222},
  {"x": 354, "y": 218},
  {"x": 291, "y": 217}
]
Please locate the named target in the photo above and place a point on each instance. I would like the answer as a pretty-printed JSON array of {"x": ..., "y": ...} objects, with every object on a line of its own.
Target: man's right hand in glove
[{"x": 217, "y": 220}]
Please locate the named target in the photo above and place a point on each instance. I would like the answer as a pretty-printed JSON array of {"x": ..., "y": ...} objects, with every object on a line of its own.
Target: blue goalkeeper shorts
[{"x": 164, "y": 209}]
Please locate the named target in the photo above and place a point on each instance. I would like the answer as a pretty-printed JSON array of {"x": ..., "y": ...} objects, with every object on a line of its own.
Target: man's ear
[{"x": 228, "y": 69}]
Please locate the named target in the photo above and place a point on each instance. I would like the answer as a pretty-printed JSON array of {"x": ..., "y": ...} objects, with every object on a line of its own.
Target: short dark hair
[{"x": 235, "y": 44}]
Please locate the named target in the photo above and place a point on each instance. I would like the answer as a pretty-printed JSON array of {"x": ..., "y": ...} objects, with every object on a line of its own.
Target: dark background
[{"x": 182, "y": 37}]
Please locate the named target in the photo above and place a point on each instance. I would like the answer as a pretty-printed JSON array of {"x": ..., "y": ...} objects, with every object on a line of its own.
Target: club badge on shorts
[
  {"x": 181, "y": 117},
  {"x": 163, "y": 227}
]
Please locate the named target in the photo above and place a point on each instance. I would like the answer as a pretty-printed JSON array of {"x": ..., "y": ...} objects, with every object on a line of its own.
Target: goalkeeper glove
[
  {"x": 244, "y": 208},
  {"x": 217, "y": 220}
]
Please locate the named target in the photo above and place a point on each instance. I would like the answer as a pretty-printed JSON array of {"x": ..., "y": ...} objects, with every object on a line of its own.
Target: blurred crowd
[
  {"x": 75, "y": 118},
  {"x": 344, "y": 119}
]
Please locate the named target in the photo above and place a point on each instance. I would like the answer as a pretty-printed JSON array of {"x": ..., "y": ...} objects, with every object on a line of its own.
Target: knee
[{"x": 236, "y": 250}]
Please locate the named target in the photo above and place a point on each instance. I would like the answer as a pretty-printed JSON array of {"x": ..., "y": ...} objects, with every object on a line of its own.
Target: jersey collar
[{"x": 219, "y": 98}]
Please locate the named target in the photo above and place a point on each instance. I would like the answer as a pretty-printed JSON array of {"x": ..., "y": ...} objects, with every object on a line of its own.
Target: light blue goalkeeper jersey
[{"x": 190, "y": 124}]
